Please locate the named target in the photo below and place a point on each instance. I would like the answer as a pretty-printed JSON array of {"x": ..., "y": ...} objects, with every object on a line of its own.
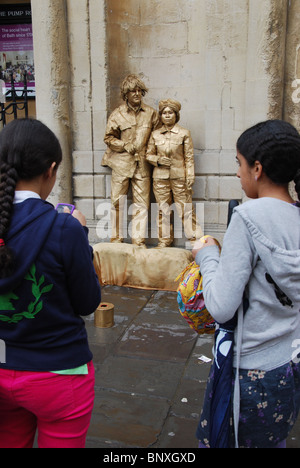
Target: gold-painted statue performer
[
  {"x": 127, "y": 133},
  {"x": 170, "y": 150}
]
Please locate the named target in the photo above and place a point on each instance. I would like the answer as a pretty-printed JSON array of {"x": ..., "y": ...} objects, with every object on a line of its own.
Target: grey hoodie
[{"x": 261, "y": 256}]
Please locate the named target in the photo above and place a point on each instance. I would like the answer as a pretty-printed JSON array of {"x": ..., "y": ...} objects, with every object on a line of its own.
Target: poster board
[{"x": 16, "y": 47}]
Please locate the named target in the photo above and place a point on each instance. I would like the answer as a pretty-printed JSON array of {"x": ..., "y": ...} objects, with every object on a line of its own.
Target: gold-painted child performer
[
  {"x": 127, "y": 134},
  {"x": 171, "y": 151}
]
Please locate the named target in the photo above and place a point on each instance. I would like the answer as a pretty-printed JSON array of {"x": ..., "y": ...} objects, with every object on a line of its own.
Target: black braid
[{"x": 8, "y": 181}]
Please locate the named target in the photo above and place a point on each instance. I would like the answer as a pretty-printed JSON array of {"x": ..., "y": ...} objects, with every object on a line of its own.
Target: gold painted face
[
  {"x": 168, "y": 117},
  {"x": 134, "y": 97}
]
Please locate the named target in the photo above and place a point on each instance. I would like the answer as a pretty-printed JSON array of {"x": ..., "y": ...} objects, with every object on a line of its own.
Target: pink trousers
[{"x": 58, "y": 407}]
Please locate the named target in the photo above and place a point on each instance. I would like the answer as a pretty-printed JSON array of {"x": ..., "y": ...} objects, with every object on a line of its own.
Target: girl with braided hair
[
  {"x": 47, "y": 281},
  {"x": 257, "y": 274}
]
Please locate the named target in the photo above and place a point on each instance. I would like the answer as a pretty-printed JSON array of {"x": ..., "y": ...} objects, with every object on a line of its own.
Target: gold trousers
[
  {"x": 141, "y": 202},
  {"x": 165, "y": 191}
]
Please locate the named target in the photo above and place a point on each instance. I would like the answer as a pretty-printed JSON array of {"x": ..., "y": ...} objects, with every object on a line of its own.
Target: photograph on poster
[
  {"x": 16, "y": 55},
  {"x": 16, "y": 48}
]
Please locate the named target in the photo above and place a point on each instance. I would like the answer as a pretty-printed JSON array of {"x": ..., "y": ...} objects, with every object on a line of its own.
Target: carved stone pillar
[
  {"x": 292, "y": 70},
  {"x": 51, "y": 55},
  {"x": 265, "y": 60}
]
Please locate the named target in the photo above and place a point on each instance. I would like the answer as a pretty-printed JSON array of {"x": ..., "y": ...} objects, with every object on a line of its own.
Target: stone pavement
[{"x": 150, "y": 375}]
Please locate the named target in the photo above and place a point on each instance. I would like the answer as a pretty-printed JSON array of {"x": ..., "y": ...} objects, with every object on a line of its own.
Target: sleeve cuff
[{"x": 211, "y": 251}]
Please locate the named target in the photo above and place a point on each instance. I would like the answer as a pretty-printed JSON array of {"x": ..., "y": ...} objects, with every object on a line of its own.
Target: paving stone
[
  {"x": 189, "y": 399},
  {"x": 197, "y": 366},
  {"x": 152, "y": 378},
  {"x": 157, "y": 341},
  {"x": 178, "y": 433},
  {"x": 127, "y": 419},
  {"x": 158, "y": 331}
]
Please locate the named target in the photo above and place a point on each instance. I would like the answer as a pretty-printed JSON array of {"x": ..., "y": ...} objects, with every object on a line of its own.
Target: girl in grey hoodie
[{"x": 260, "y": 260}]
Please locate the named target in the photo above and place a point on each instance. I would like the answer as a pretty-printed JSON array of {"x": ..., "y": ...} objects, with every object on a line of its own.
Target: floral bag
[{"x": 191, "y": 302}]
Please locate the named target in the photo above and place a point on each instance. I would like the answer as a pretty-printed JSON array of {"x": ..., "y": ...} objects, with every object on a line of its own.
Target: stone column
[
  {"x": 265, "y": 60},
  {"x": 51, "y": 55},
  {"x": 292, "y": 73}
]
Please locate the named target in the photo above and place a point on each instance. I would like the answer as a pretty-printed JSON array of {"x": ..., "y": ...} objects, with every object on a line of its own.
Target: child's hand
[
  {"x": 78, "y": 215},
  {"x": 203, "y": 242}
]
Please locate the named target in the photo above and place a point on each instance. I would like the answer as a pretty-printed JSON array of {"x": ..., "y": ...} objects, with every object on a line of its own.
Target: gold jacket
[
  {"x": 176, "y": 144},
  {"x": 125, "y": 126}
]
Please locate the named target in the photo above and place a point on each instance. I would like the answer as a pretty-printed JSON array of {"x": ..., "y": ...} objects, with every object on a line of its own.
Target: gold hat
[{"x": 175, "y": 105}]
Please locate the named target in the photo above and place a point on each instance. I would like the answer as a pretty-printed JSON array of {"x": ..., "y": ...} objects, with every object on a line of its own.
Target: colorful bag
[{"x": 191, "y": 302}]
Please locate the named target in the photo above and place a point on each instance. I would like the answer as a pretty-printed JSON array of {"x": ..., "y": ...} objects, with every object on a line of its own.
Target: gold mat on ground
[{"x": 131, "y": 266}]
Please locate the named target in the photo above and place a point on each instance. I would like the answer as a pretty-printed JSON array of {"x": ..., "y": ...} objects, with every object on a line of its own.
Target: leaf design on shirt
[
  {"x": 36, "y": 305},
  {"x": 5, "y": 301}
]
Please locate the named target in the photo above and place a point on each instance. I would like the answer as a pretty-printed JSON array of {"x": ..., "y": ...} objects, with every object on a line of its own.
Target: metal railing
[{"x": 15, "y": 102}]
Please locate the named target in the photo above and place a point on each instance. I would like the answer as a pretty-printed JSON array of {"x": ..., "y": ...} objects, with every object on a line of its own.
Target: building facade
[{"x": 231, "y": 63}]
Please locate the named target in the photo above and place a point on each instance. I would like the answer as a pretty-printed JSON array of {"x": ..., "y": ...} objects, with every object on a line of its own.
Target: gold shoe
[
  {"x": 162, "y": 245},
  {"x": 141, "y": 245}
]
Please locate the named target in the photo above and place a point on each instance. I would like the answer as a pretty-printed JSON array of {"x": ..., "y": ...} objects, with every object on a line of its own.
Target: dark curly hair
[
  {"x": 27, "y": 149},
  {"x": 276, "y": 145}
]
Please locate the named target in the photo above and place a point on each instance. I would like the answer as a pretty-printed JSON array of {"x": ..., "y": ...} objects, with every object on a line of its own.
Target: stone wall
[
  {"x": 87, "y": 42},
  {"x": 231, "y": 63}
]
